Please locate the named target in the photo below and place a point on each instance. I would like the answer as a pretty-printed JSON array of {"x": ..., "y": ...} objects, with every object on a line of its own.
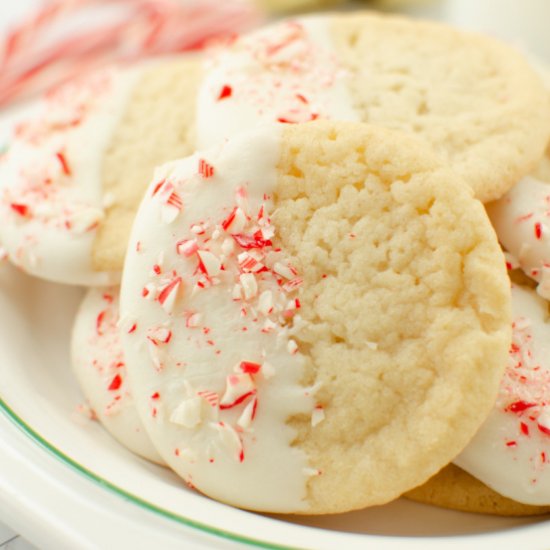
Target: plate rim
[{"x": 99, "y": 481}]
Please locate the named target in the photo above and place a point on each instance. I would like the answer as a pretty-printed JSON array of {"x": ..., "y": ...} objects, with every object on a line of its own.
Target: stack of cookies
[{"x": 315, "y": 314}]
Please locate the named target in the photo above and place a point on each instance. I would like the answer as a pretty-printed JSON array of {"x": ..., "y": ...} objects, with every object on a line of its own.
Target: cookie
[
  {"x": 476, "y": 100},
  {"x": 305, "y": 329},
  {"x": 456, "y": 489},
  {"x": 99, "y": 365},
  {"x": 166, "y": 92},
  {"x": 520, "y": 219},
  {"x": 75, "y": 172},
  {"x": 510, "y": 454},
  {"x": 511, "y": 451},
  {"x": 51, "y": 201}
]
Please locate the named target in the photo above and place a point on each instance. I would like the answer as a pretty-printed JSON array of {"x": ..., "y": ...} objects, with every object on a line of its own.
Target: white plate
[{"x": 64, "y": 483}]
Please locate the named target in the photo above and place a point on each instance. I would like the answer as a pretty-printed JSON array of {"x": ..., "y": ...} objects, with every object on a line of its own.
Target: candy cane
[
  {"x": 145, "y": 28},
  {"x": 21, "y": 36}
]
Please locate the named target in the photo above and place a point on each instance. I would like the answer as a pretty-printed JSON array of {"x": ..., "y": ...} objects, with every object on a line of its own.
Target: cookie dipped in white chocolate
[
  {"x": 277, "y": 360},
  {"x": 99, "y": 365},
  {"x": 51, "y": 199},
  {"x": 522, "y": 221},
  {"x": 286, "y": 73},
  {"x": 205, "y": 298},
  {"x": 511, "y": 451}
]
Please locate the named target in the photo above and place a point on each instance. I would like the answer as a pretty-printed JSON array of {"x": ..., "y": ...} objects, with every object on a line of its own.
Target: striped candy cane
[{"x": 36, "y": 54}]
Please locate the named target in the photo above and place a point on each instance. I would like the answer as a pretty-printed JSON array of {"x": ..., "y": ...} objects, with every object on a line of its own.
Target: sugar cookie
[
  {"x": 51, "y": 201},
  {"x": 456, "y": 489},
  {"x": 476, "y": 100},
  {"x": 305, "y": 329},
  {"x": 510, "y": 455},
  {"x": 511, "y": 451},
  {"x": 99, "y": 365},
  {"x": 75, "y": 173}
]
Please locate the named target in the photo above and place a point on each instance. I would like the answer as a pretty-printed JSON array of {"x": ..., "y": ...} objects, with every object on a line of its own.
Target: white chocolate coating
[
  {"x": 51, "y": 198},
  {"x": 511, "y": 451},
  {"x": 287, "y": 73},
  {"x": 521, "y": 219},
  {"x": 213, "y": 366},
  {"x": 98, "y": 362}
]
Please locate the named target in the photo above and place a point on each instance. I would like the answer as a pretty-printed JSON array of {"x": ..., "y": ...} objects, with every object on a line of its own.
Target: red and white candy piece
[{"x": 239, "y": 387}]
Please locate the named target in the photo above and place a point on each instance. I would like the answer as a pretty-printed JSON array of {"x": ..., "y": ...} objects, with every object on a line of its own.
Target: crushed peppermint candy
[
  {"x": 100, "y": 355},
  {"x": 539, "y": 229},
  {"x": 187, "y": 247},
  {"x": 292, "y": 71},
  {"x": 247, "y": 416},
  {"x": 65, "y": 168},
  {"x": 525, "y": 393},
  {"x": 525, "y": 388},
  {"x": 159, "y": 335},
  {"x": 239, "y": 387},
  {"x": 168, "y": 293},
  {"x": 249, "y": 367},
  {"x": 230, "y": 440},
  {"x": 157, "y": 339},
  {"x": 206, "y": 170},
  {"x": 225, "y": 92},
  {"x": 511, "y": 261},
  {"x": 188, "y": 413},
  {"x": 171, "y": 203},
  {"x": 209, "y": 264},
  {"x": 116, "y": 382},
  {"x": 43, "y": 191},
  {"x": 236, "y": 250}
]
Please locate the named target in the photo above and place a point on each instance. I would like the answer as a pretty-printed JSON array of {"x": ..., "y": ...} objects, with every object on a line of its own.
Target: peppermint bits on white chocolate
[
  {"x": 216, "y": 301},
  {"x": 511, "y": 451},
  {"x": 52, "y": 201}
]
